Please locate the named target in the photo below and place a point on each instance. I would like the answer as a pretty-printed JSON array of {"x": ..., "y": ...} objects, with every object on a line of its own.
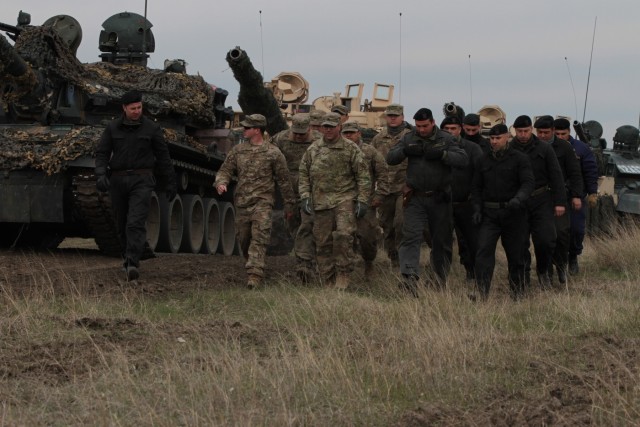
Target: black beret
[
  {"x": 131, "y": 97},
  {"x": 499, "y": 129},
  {"x": 423, "y": 114},
  {"x": 522, "y": 122},
  {"x": 450, "y": 120},
  {"x": 561, "y": 124},
  {"x": 471, "y": 119},
  {"x": 544, "y": 122}
]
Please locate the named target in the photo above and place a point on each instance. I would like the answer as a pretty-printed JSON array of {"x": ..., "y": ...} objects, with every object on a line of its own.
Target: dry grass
[{"x": 288, "y": 355}]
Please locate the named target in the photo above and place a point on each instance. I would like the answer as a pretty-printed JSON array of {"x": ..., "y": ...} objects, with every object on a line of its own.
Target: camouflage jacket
[
  {"x": 383, "y": 142},
  {"x": 293, "y": 152},
  {"x": 378, "y": 170},
  {"x": 258, "y": 168},
  {"x": 334, "y": 173}
]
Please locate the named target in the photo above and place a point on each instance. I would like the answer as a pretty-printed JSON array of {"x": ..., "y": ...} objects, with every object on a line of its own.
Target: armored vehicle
[
  {"x": 53, "y": 111},
  {"x": 623, "y": 165}
]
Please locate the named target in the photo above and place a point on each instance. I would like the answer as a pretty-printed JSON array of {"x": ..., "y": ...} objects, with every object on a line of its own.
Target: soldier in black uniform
[
  {"x": 502, "y": 184},
  {"x": 547, "y": 200},
  {"x": 431, "y": 153},
  {"x": 471, "y": 131},
  {"x": 572, "y": 177},
  {"x": 132, "y": 148},
  {"x": 466, "y": 232}
]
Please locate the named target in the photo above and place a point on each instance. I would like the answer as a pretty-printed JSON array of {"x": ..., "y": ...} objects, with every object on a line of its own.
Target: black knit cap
[
  {"x": 561, "y": 124},
  {"x": 544, "y": 122},
  {"x": 131, "y": 97},
  {"x": 471, "y": 120},
  {"x": 423, "y": 114},
  {"x": 450, "y": 120},
  {"x": 522, "y": 122},
  {"x": 499, "y": 130}
]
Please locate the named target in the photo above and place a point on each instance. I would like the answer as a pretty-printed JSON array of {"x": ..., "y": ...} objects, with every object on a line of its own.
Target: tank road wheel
[
  {"x": 171, "y": 225},
  {"x": 211, "y": 226},
  {"x": 227, "y": 229},
  {"x": 153, "y": 221},
  {"x": 193, "y": 217}
]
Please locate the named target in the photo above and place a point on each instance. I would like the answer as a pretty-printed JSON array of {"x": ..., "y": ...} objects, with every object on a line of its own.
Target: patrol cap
[
  {"x": 316, "y": 117},
  {"x": 471, "y": 120},
  {"x": 254, "y": 121},
  {"x": 544, "y": 122},
  {"x": 561, "y": 124},
  {"x": 522, "y": 122},
  {"x": 131, "y": 97},
  {"x": 300, "y": 123},
  {"x": 499, "y": 129},
  {"x": 450, "y": 120},
  {"x": 331, "y": 119},
  {"x": 423, "y": 114},
  {"x": 394, "y": 110},
  {"x": 350, "y": 126},
  {"x": 340, "y": 109}
]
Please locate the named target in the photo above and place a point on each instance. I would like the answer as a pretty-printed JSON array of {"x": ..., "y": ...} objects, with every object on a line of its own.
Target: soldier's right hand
[
  {"x": 103, "y": 184},
  {"x": 306, "y": 207},
  {"x": 592, "y": 200},
  {"x": 513, "y": 204},
  {"x": 476, "y": 218},
  {"x": 413, "y": 150}
]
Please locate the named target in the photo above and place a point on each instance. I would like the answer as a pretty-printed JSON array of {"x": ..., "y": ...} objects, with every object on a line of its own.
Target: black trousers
[
  {"x": 563, "y": 228},
  {"x": 466, "y": 234},
  {"x": 542, "y": 228}
]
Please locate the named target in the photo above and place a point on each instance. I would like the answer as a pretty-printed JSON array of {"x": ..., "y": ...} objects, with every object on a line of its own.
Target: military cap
[
  {"x": 423, "y": 114},
  {"x": 544, "y": 122},
  {"x": 254, "y": 121},
  {"x": 499, "y": 129},
  {"x": 350, "y": 126},
  {"x": 471, "y": 120},
  {"x": 450, "y": 120},
  {"x": 131, "y": 97},
  {"x": 340, "y": 109},
  {"x": 316, "y": 117},
  {"x": 300, "y": 123},
  {"x": 561, "y": 124},
  {"x": 331, "y": 119},
  {"x": 394, "y": 110},
  {"x": 522, "y": 122}
]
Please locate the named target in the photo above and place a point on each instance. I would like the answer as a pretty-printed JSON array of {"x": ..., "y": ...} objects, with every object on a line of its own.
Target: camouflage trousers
[
  {"x": 391, "y": 219},
  {"x": 333, "y": 231},
  {"x": 301, "y": 228},
  {"x": 253, "y": 231},
  {"x": 367, "y": 235}
]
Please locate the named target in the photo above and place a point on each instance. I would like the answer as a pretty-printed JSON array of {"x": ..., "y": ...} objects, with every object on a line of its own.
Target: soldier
[
  {"x": 471, "y": 131},
  {"x": 572, "y": 177},
  {"x": 133, "y": 147},
  {"x": 316, "y": 117},
  {"x": 293, "y": 143},
  {"x": 589, "y": 170},
  {"x": 334, "y": 183},
  {"x": 258, "y": 166},
  {"x": 367, "y": 226},
  {"x": 390, "y": 212},
  {"x": 547, "y": 200},
  {"x": 432, "y": 153},
  {"x": 502, "y": 183},
  {"x": 466, "y": 232},
  {"x": 343, "y": 111}
]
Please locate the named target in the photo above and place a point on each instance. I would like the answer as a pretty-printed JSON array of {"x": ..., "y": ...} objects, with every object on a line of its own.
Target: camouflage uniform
[
  {"x": 391, "y": 216},
  {"x": 334, "y": 175},
  {"x": 257, "y": 168}
]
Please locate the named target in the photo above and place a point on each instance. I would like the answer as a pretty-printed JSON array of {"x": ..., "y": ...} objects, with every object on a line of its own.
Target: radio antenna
[
  {"x": 261, "y": 43},
  {"x": 400, "y": 61},
  {"x": 593, "y": 40},
  {"x": 575, "y": 100},
  {"x": 144, "y": 32},
  {"x": 470, "y": 83}
]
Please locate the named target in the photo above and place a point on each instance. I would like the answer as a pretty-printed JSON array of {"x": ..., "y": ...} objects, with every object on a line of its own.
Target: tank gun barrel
[
  {"x": 12, "y": 31},
  {"x": 13, "y": 64},
  {"x": 17, "y": 77},
  {"x": 450, "y": 109},
  {"x": 580, "y": 132},
  {"x": 254, "y": 97}
]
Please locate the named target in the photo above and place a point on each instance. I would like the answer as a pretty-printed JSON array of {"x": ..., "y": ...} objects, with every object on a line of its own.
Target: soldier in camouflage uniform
[
  {"x": 315, "y": 120},
  {"x": 334, "y": 182},
  {"x": 258, "y": 165},
  {"x": 367, "y": 226},
  {"x": 390, "y": 211},
  {"x": 293, "y": 143}
]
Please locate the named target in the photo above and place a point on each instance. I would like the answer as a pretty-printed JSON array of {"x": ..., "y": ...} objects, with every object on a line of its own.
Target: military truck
[{"x": 53, "y": 109}]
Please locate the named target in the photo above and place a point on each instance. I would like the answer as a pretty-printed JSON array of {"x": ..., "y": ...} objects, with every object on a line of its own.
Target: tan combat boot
[
  {"x": 342, "y": 281},
  {"x": 253, "y": 281}
]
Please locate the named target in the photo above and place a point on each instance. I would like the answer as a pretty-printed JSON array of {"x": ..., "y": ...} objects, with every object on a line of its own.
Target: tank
[
  {"x": 54, "y": 109},
  {"x": 623, "y": 165}
]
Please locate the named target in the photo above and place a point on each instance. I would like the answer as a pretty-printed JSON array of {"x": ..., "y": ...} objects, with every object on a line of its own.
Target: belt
[
  {"x": 539, "y": 191},
  {"x": 126, "y": 172},
  {"x": 494, "y": 205}
]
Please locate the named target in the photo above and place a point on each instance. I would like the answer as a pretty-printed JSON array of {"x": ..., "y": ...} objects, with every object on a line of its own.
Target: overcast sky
[{"x": 517, "y": 48}]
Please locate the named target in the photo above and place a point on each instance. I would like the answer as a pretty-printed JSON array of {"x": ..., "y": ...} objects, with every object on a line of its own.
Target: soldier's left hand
[
  {"x": 434, "y": 153},
  {"x": 288, "y": 214},
  {"x": 576, "y": 203},
  {"x": 172, "y": 192},
  {"x": 592, "y": 200},
  {"x": 376, "y": 202},
  {"x": 559, "y": 210},
  {"x": 361, "y": 209}
]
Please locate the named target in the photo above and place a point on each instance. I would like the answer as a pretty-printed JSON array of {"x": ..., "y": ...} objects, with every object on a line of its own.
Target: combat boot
[
  {"x": 409, "y": 284},
  {"x": 132, "y": 273},
  {"x": 368, "y": 269},
  {"x": 342, "y": 281},
  {"x": 574, "y": 268},
  {"x": 562, "y": 274},
  {"x": 545, "y": 281},
  {"x": 253, "y": 281}
]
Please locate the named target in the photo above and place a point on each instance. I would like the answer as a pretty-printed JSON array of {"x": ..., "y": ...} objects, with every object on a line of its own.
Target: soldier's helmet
[{"x": 627, "y": 137}]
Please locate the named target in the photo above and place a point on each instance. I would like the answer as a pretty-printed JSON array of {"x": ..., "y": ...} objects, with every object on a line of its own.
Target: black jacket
[
  {"x": 570, "y": 166},
  {"x": 463, "y": 176}
]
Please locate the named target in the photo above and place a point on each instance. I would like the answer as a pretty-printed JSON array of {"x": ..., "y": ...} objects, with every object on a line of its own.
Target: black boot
[
  {"x": 574, "y": 268},
  {"x": 409, "y": 284}
]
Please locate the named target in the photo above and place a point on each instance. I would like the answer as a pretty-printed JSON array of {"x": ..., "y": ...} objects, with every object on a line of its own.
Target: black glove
[
  {"x": 306, "y": 207},
  {"x": 361, "y": 209},
  {"x": 476, "y": 218},
  {"x": 413, "y": 150},
  {"x": 434, "y": 153},
  {"x": 513, "y": 204},
  {"x": 171, "y": 192},
  {"x": 102, "y": 183}
]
